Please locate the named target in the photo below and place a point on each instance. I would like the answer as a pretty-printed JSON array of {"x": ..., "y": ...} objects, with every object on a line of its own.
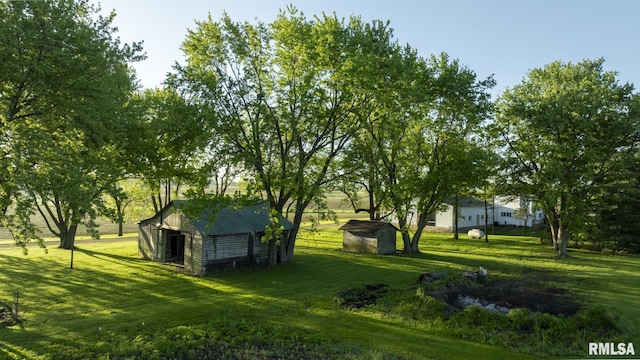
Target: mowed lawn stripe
[{"x": 112, "y": 293}]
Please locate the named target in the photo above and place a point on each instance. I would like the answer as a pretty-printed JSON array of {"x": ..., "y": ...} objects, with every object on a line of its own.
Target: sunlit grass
[{"x": 111, "y": 294}]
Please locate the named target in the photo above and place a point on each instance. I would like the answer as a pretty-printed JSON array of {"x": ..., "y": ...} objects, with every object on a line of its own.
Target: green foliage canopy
[
  {"x": 64, "y": 85},
  {"x": 425, "y": 138},
  {"x": 562, "y": 131},
  {"x": 285, "y": 96}
]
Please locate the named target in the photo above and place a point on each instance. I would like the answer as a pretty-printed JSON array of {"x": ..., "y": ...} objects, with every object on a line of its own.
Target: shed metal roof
[
  {"x": 365, "y": 226},
  {"x": 215, "y": 219}
]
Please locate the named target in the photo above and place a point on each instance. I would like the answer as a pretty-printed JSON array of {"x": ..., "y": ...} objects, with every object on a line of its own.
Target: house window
[
  {"x": 505, "y": 214},
  {"x": 469, "y": 217},
  {"x": 481, "y": 217}
]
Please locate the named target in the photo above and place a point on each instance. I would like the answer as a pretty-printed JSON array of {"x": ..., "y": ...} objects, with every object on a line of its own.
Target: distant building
[
  {"x": 471, "y": 214},
  {"x": 216, "y": 235},
  {"x": 509, "y": 211},
  {"x": 369, "y": 237},
  {"x": 516, "y": 211}
]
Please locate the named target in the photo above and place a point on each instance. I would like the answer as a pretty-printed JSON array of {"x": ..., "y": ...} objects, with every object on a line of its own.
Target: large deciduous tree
[
  {"x": 393, "y": 77},
  {"x": 172, "y": 136},
  {"x": 427, "y": 138},
  {"x": 64, "y": 84},
  {"x": 178, "y": 151},
  {"x": 285, "y": 96},
  {"x": 562, "y": 130}
]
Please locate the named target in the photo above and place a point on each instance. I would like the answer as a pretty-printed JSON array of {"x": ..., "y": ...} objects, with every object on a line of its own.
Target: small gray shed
[
  {"x": 216, "y": 235},
  {"x": 370, "y": 237}
]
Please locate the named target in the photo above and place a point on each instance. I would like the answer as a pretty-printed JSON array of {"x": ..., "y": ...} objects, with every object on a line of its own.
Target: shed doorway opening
[{"x": 175, "y": 247}]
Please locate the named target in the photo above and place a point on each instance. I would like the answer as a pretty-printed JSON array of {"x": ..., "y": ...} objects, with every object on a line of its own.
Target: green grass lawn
[{"x": 112, "y": 302}]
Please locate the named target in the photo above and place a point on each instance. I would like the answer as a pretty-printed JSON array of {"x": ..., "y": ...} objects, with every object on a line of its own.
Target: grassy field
[{"x": 114, "y": 305}]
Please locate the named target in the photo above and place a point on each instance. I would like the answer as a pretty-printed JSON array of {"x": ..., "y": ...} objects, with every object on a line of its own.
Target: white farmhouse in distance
[
  {"x": 471, "y": 214},
  {"x": 504, "y": 211},
  {"x": 516, "y": 211}
]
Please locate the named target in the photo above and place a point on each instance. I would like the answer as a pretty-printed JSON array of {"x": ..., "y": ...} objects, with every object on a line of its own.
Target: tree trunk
[
  {"x": 120, "y": 221},
  {"x": 456, "y": 216},
  {"x": 404, "y": 231},
  {"x": 67, "y": 237},
  {"x": 552, "y": 219},
  {"x": 558, "y": 233},
  {"x": 288, "y": 242},
  {"x": 284, "y": 257},
  {"x": 273, "y": 252},
  {"x": 422, "y": 223},
  {"x": 372, "y": 206},
  {"x": 120, "y": 215},
  {"x": 406, "y": 240},
  {"x": 553, "y": 227},
  {"x": 167, "y": 193},
  {"x": 416, "y": 239},
  {"x": 486, "y": 221},
  {"x": 156, "y": 208},
  {"x": 562, "y": 241}
]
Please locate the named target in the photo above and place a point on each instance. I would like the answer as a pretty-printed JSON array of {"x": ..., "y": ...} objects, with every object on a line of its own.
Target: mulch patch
[
  {"x": 535, "y": 296},
  {"x": 360, "y": 297}
]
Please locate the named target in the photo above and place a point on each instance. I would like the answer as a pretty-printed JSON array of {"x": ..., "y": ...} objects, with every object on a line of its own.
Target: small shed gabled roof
[
  {"x": 235, "y": 220},
  {"x": 215, "y": 219},
  {"x": 365, "y": 226}
]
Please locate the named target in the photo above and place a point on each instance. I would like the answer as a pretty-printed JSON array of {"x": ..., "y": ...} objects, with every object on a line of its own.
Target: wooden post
[
  {"x": 486, "y": 221},
  {"x": 71, "y": 264},
  {"x": 14, "y": 309}
]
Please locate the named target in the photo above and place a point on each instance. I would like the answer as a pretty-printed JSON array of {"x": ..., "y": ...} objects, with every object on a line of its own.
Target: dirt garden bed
[
  {"x": 498, "y": 296},
  {"x": 505, "y": 295},
  {"x": 360, "y": 297}
]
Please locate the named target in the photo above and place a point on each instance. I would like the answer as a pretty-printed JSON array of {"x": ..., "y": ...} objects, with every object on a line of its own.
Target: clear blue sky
[{"x": 501, "y": 37}]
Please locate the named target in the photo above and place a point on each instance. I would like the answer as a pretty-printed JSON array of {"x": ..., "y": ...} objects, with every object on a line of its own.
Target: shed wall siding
[
  {"x": 193, "y": 254},
  {"x": 199, "y": 252},
  {"x": 359, "y": 243},
  {"x": 260, "y": 250},
  {"x": 161, "y": 249},
  {"x": 383, "y": 242},
  {"x": 149, "y": 240},
  {"x": 219, "y": 248},
  {"x": 145, "y": 242},
  {"x": 176, "y": 221},
  {"x": 386, "y": 241}
]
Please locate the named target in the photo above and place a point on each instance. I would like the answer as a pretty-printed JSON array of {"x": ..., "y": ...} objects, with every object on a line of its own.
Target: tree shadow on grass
[
  {"x": 302, "y": 295},
  {"x": 106, "y": 296},
  {"x": 111, "y": 296}
]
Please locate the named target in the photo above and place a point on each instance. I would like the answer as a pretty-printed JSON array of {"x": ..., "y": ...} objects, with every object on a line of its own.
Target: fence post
[{"x": 14, "y": 308}]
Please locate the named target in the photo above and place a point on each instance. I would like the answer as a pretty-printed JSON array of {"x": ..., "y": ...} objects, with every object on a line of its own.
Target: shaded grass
[{"x": 111, "y": 298}]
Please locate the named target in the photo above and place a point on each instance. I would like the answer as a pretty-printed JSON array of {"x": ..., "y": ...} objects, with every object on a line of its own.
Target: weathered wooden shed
[
  {"x": 216, "y": 235},
  {"x": 370, "y": 237}
]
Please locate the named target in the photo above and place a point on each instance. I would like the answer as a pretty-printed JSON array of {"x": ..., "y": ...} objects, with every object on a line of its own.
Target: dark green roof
[
  {"x": 365, "y": 226},
  {"x": 215, "y": 220}
]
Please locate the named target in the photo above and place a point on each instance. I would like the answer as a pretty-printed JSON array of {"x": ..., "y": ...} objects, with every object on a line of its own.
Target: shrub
[
  {"x": 237, "y": 340},
  {"x": 521, "y": 319},
  {"x": 432, "y": 308},
  {"x": 596, "y": 322}
]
